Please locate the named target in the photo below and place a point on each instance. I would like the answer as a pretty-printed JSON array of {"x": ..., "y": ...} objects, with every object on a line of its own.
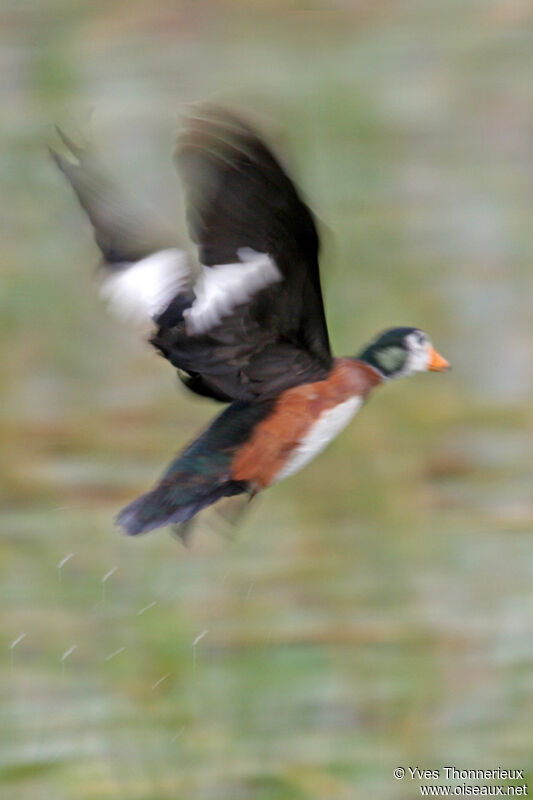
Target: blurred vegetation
[{"x": 373, "y": 611}]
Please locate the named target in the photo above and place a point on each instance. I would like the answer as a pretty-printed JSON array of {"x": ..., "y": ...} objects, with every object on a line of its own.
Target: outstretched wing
[
  {"x": 239, "y": 196},
  {"x": 253, "y": 323},
  {"x": 145, "y": 277},
  {"x": 244, "y": 209},
  {"x": 125, "y": 232},
  {"x": 142, "y": 269}
]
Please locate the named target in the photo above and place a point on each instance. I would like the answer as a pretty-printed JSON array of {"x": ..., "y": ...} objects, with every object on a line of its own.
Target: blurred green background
[{"x": 377, "y": 609}]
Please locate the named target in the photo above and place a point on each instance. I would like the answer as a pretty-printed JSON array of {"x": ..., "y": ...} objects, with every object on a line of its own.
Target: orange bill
[{"x": 436, "y": 362}]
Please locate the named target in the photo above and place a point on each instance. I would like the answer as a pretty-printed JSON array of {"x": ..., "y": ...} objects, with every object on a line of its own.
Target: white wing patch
[
  {"x": 142, "y": 290},
  {"x": 223, "y": 287},
  {"x": 320, "y": 434}
]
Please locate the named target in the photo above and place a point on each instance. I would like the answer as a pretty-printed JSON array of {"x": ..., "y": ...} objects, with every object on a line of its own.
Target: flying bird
[{"x": 244, "y": 326}]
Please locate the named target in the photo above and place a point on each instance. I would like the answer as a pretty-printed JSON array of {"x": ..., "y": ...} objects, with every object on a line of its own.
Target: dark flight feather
[
  {"x": 238, "y": 196},
  {"x": 124, "y": 231}
]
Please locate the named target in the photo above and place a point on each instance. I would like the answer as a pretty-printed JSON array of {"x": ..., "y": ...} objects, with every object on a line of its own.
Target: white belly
[{"x": 320, "y": 434}]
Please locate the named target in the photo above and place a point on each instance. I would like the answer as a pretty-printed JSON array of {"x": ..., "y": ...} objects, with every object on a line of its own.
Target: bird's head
[{"x": 402, "y": 351}]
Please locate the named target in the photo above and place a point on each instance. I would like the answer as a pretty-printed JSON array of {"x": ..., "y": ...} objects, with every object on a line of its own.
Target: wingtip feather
[{"x": 76, "y": 150}]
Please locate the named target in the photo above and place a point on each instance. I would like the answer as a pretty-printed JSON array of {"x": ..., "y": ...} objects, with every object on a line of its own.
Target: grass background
[{"x": 374, "y": 611}]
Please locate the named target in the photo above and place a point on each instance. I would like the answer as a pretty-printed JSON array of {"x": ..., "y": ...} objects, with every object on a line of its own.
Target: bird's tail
[
  {"x": 167, "y": 504},
  {"x": 199, "y": 476}
]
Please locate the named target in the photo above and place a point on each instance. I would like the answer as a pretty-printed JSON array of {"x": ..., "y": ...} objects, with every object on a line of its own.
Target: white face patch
[
  {"x": 418, "y": 353},
  {"x": 223, "y": 287},
  {"x": 319, "y": 435},
  {"x": 142, "y": 290}
]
